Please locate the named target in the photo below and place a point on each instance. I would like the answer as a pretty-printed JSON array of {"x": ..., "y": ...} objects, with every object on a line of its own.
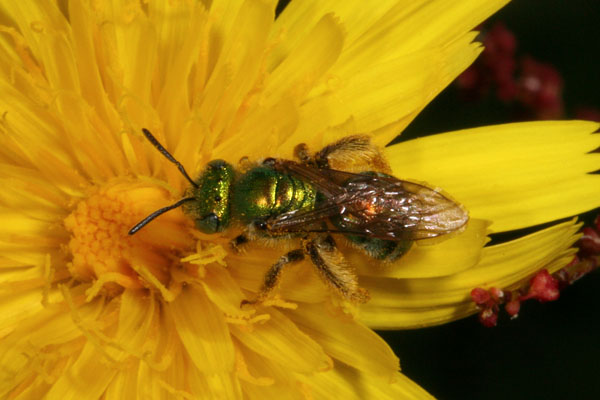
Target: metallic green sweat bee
[{"x": 307, "y": 199}]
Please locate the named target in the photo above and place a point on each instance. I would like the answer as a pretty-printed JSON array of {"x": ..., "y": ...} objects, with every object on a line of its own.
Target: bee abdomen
[
  {"x": 293, "y": 194},
  {"x": 380, "y": 249}
]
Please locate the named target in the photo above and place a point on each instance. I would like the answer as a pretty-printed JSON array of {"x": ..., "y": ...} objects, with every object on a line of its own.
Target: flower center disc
[{"x": 104, "y": 253}]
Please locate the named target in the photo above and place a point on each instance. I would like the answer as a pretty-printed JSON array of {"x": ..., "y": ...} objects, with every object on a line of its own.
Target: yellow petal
[
  {"x": 448, "y": 257},
  {"x": 374, "y": 95},
  {"x": 270, "y": 379},
  {"x": 238, "y": 65},
  {"x": 30, "y": 133},
  {"x": 299, "y": 17},
  {"x": 430, "y": 23},
  {"x": 48, "y": 327},
  {"x": 83, "y": 25},
  {"x": 23, "y": 187},
  {"x": 306, "y": 63},
  {"x": 407, "y": 24},
  {"x": 409, "y": 303},
  {"x": 203, "y": 331},
  {"x": 388, "y": 91},
  {"x": 15, "y": 307},
  {"x": 135, "y": 316},
  {"x": 396, "y": 58},
  {"x": 124, "y": 385},
  {"x": 33, "y": 18},
  {"x": 346, "y": 383},
  {"x": 515, "y": 175},
  {"x": 301, "y": 69},
  {"x": 174, "y": 23},
  {"x": 170, "y": 383},
  {"x": 277, "y": 122},
  {"x": 131, "y": 41},
  {"x": 86, "y": 378},
  {"x": 224, "y": 292},
  {"x": 219, "y": 386},
  {"x": 280, "y": 340},
  {"x": 282, "y": 392},
  {"x": 346, "y": 340},
  {"x": 59, "y": 62}
]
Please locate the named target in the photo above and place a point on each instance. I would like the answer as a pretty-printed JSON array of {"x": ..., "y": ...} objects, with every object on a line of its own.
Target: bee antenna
[
  {"x": 156, "y": 213},
  {"x": 168, "y": 155}
]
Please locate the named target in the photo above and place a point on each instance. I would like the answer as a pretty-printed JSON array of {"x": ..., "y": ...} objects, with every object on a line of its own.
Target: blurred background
[{"x": 542, "y": 62}]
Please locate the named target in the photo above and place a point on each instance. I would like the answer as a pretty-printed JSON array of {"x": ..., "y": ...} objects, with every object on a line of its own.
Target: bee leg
[
  {"x": 344, "y": 146},
  {"x": 334, "y": 269},
  {"x": 237, "y": 242},
  {"x": 352, "y": 149},
  {"x": 273, "y": 275},
  {"x": 303, "y": 154}
]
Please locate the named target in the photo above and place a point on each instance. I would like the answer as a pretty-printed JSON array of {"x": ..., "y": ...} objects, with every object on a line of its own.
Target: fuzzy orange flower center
[{"x": 104, "y": 253}]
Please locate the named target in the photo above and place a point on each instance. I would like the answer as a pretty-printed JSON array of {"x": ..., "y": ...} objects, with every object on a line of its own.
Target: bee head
[
  {"x": 210, "y": 207},
  {"x": 207, "y": 199}
]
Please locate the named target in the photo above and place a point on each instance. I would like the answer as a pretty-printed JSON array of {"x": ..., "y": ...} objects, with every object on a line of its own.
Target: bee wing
[
  {"x": 305, "y": 221},
  {"x": 328, "y": 181},
  {"x": 372, "y": 205},
  {"x": 407, "y": 211}
]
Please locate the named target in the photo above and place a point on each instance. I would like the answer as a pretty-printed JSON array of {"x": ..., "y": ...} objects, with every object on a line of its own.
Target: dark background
[
  {"x": 563, "y": 33},
  {"x": 551, "y": 351}
]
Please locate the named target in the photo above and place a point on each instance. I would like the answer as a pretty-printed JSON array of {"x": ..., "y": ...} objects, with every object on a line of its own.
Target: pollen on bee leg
[{"x": 104, "y": 254}]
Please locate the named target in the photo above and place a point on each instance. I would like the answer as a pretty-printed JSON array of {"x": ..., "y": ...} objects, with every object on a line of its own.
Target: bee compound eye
[{"x": 208, "y": 224}]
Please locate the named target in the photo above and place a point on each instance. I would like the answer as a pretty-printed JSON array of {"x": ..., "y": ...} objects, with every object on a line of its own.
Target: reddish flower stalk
[
  {"x": 543, "y": 286},
  {"x": 533, "y": 87}
]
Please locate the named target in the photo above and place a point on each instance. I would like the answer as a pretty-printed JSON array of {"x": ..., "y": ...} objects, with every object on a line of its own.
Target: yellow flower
[{"x": 88, "y": 311}]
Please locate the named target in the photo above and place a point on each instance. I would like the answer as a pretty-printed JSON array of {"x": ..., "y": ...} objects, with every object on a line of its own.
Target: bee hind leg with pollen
[
  {"x": 329, "y": 263},
  {"x": 352, "y": 150}
]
